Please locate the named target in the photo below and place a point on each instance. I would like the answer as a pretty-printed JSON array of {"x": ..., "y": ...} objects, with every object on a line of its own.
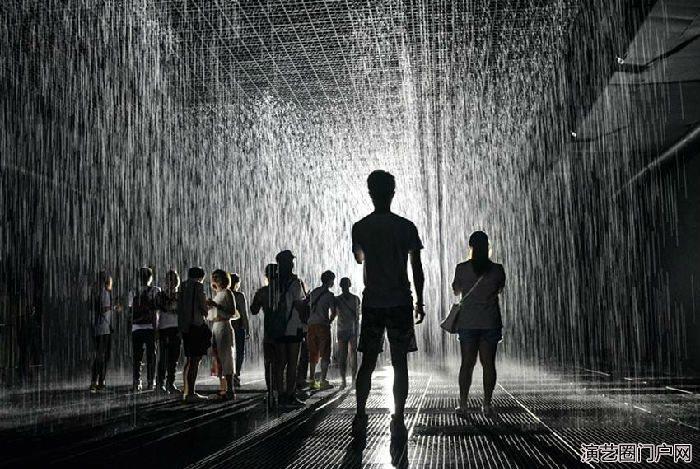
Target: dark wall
[{"x": 680, "y": 264}]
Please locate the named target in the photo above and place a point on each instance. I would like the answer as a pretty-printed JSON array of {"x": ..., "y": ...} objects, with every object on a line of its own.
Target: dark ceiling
[{"x": 318, "y": 52}]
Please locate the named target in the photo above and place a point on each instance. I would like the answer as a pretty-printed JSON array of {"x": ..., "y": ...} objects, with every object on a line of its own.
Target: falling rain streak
[{"x": 173, "y": 133}]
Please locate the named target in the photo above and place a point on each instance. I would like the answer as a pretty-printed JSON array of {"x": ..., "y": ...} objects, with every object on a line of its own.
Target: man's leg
[
  {"x": 343, "y": 358},
  {"x": 352, "y": 345},
  {"x": 150, "y": 338},
  {"x": 137, "y": 352},
  {"x": 173, "y": 356},
  {"x": 303, "y": 362},
  {"x": 279, "y": 362},
  {"x": 240, "y": 349},
  {"x": 324, "y": 344},
  {"x": 292, "y": 350},
  {"x": 107, "y": 349},
  {"x": 364, "y": 380},
  {"x": 399, "y": 360},
  {"x": 192, "y": 371},
  {"x": 268, "y": 352},
  {"x": 163, "y": 347},
  {"x": 97, "y": 359},
  {"x": 312, "y": 342}
]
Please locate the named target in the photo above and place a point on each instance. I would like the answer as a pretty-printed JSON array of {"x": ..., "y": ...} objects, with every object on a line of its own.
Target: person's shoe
[
  {"x": 136, "y": 387},
  {"x": 236, "y": 381},
  {"x": 302, "y": 395},
  {"x": 93, "y": 388},
  {"x": 291, "y": 401},
  {"x": 359, "y": 431},
  {"x": 488, "y": 411},
  {"x": 315, "y": 385},
  {"x": 399, "y": 437},
  {"x": 193, "y": 398},
  {"x": 324, "y": 384},
  {"x": 171, "y": 388},
  {"x": 101, "y": 387},
  {"x": 343, "y": 383},
  {"x": 150, "y": 386}
]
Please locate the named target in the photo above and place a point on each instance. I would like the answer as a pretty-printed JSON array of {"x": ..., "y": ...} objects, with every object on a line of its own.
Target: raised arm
[{"x": 419, "y": 283}]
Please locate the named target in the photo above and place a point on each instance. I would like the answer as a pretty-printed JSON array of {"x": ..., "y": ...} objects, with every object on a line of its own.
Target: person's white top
[
  {"x": 152, "y": 296},
  {"x": 321, "y": 303},
  {"x": 385, "y": 239},
  {"x": 168, "y": 318},
  {"x": 103, "y": 318},
  {"x": 223, "y": 298},
  {"x": 348, "y": 309},
  {"x": 294, "y": 293}
]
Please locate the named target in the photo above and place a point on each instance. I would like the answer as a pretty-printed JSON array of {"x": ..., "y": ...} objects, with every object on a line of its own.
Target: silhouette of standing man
[{"x": 383, "y": 242}]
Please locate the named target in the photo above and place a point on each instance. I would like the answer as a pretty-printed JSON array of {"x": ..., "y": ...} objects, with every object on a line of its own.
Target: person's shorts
[
  {"x": 193, "y": 345},
  {"x": 491, "y": 336},
  {"x": 318, "y": 341},
  {"x": 346, "y": 336},
  {"x": 398, "y": 323}
]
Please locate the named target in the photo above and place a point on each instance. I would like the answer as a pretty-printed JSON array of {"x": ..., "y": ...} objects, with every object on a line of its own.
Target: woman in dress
[
  {"x": 222, "y": 311},
  {"x": 479, "y": 281}
]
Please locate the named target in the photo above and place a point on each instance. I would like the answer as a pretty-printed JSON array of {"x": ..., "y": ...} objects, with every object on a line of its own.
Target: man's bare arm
[
  {"x": 359, "y": 254},
  {"x": 419, "y": 283}
]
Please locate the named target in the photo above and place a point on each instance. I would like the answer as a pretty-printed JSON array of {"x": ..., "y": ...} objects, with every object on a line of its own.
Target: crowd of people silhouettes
[{"x": 297, "y": 322}]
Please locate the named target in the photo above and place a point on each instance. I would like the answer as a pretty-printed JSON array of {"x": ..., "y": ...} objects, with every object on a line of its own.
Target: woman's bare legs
[
  {"x": 487, "y": 357},
  {"x": 469, "y": 350}
]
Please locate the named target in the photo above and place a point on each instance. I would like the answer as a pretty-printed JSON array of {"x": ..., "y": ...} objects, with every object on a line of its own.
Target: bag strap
[
  {"x": 315, "y": 303},
  {"x": 471, "y": 289}
]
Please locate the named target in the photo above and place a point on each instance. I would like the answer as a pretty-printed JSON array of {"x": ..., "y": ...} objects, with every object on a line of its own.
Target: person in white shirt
[
  {"x": 143, "y": 306},
  {"x": 222, "y": 309},
  {"x": 102, "y": 331},
  {"x": 318, "y": 338},
  {"x": 347, "y": 308},
  {"x": 168, "y": 333}
]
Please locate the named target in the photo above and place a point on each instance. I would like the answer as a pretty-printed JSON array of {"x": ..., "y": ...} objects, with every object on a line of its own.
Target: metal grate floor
[{"x": 542, "y": 422}]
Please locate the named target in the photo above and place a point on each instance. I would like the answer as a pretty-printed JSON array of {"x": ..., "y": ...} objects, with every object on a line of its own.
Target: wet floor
[{"x": 544, "y": 418}]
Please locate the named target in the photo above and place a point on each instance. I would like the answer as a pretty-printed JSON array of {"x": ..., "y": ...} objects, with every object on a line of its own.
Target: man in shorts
[
  {"x": 384, "y": 242},
  {"x": 318, "y": 338}
]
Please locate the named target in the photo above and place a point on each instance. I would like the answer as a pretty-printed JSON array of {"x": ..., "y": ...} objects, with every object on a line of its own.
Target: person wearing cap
[
  {"x": 384, "y": 243},
  {"x": 292, "y": 294},
  {"x": 318, "y": 338},
  {"x": 241, "y": 326},
  {"x": 144, "y": 310}
]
